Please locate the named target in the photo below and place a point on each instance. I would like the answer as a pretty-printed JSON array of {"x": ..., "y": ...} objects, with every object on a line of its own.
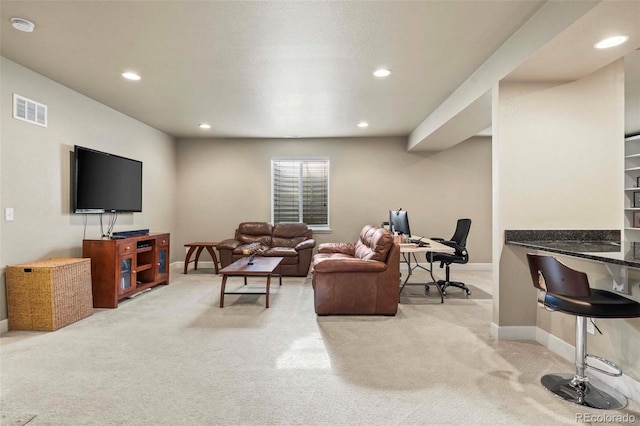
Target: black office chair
[
  {"x": 566, "y": 290},
  {"x": 458, "y": 242}
]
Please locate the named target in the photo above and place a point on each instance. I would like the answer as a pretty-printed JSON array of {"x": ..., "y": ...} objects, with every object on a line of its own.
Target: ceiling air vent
[{"x": 30, "y": 111}]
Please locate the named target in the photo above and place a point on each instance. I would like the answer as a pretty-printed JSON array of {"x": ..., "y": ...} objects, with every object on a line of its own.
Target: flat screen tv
[{"x": 105, "y": 182}]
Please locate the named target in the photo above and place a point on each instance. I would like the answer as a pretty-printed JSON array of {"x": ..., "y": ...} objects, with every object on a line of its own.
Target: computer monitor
[{"x": 399, "y": 222}]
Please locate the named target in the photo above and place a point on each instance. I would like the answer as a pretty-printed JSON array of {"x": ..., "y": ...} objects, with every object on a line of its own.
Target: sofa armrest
[
  {"x": 228, "y": 244},
  {"x": 349, "y": 265},
  {"x": 344, "y": 248},
  {"x": 306, "y": 244}
]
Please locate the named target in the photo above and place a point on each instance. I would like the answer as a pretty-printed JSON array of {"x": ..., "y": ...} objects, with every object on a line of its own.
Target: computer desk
[{"x": 409, "y": 251}]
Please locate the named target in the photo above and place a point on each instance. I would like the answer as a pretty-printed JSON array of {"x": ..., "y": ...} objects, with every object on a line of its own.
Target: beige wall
[
  {"x": 224, "y": 182},
  {"x": 554, "y": 144},
  {"x": 36, "y": 164},
  {"x": 558, "y": 164}
]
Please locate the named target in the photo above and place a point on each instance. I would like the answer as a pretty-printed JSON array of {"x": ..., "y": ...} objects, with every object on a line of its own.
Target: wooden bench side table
[{"x": 198, "y": 247}]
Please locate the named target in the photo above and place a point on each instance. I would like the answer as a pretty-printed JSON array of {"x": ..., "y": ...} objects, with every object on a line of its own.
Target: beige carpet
[{"x": 173, "y": 357}]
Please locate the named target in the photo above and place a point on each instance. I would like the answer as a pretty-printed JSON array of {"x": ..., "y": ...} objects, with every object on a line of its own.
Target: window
[{"x": 300, "y": 191}]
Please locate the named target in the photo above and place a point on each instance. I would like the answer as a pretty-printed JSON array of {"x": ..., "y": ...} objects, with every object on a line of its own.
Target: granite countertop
[{"x": 603, "y": 246}]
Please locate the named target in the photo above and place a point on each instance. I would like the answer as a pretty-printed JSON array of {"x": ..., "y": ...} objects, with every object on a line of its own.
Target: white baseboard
[
  {"x": 556, "y": 345},
  {"x": 4, "y": 326},
  {"x": 462, "y": 267},
  {"x": 473, "y": 266},
  {"x": 629, "y": 386},
  {"x": 513, "y": 333},
  {"x": 201, "y": 264}
]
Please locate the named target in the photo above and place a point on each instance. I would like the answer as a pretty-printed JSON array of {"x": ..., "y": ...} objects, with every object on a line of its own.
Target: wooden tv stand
[{"x": 124, "y": 267}]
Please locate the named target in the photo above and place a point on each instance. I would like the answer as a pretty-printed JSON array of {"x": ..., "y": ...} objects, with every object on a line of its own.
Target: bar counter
[{"x": 599, "y": 245}]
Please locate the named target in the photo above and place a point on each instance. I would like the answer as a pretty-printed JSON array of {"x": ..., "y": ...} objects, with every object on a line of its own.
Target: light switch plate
[{"x": 8, "y": 214}]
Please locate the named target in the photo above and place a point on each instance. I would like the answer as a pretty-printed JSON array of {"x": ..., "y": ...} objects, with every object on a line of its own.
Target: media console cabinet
[{"x": 123, "y": 267}]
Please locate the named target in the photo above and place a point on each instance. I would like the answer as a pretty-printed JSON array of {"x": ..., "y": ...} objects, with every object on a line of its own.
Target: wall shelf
[{"x": 631, "y": 186}]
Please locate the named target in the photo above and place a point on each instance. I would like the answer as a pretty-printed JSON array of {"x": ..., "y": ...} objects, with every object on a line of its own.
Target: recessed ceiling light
[
  {"x": 204, "y": 126},
  {"x": 22, "y": 25},
  {"x": 382, "y": 72},
  {"x": 363, "y": 124},
  {"x": 131, "y": 76},
  {"x": 611, "y": 41},
  {"x": 292, "y": 136}
]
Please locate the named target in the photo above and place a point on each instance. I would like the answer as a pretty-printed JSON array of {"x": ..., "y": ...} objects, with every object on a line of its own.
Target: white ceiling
[{"x": 277, "y": 69}]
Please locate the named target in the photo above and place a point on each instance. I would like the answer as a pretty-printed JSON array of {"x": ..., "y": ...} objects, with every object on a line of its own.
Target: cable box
[{"x": 125, "y": 234}]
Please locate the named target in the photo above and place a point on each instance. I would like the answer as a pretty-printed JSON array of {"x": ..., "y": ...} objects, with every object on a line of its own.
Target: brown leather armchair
[
  {"x": 292, "y": 241},
  {"x": 358, "y": 279}
]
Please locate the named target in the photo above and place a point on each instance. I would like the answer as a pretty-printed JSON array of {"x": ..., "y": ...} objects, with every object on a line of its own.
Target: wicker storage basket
[{"x": 48, "y": 294}]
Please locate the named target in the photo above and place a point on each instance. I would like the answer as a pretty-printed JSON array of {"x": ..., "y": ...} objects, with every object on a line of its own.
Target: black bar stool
[{"x": 566, "y": 290}]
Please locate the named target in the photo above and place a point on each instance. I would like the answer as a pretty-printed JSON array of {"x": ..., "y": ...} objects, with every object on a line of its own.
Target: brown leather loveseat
[
  {"x": 361, "y": 278},
  {"x": 292, "y": 241}
]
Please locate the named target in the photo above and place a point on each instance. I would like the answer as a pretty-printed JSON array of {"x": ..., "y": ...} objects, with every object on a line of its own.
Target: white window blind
[{"x": 300, "y": 191}]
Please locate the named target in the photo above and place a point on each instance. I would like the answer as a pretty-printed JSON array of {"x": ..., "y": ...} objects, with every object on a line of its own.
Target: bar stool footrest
[{"x": 614, "y": 372}]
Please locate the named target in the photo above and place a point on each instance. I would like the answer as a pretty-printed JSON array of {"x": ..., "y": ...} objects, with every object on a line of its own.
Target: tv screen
[{"x": 105, "y": 182}]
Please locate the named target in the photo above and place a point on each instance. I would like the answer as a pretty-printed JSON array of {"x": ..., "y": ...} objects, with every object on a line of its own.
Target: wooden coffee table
[{"x": 261, "y": 267}]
